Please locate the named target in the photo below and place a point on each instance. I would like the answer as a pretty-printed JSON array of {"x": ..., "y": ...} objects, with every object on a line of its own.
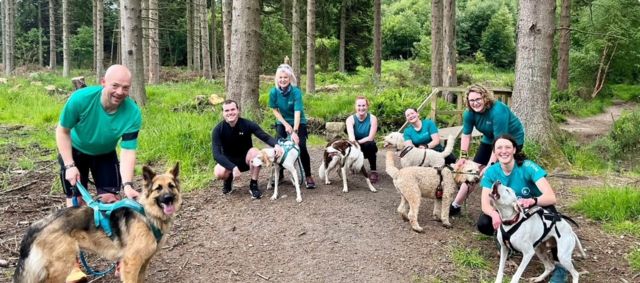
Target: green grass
[
  {"x": 617, "y": 207},
  {"x": 626, "y": 92},
  {"x": 634, "y": 259},
  {"x": 469, "y": 258}
]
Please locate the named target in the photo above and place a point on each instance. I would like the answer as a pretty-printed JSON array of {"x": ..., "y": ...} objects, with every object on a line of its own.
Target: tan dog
[
  {"x": 289, "y": 160},
  {"x": 413, "y": 183},
  {"x": 50, "y": 246},
  {"x": 345, "y": 155},
  {"x": 414, "y": 156}
]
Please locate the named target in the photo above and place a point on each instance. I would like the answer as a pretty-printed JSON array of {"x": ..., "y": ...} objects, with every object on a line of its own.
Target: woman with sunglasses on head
[{"x": 492, "y": 118}]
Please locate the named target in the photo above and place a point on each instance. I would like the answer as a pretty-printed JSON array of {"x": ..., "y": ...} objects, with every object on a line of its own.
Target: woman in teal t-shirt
[
  {"x": 362, "y": 128},
  {"x": 423, "y": 134},
  {"x": 285, "y": 100}
]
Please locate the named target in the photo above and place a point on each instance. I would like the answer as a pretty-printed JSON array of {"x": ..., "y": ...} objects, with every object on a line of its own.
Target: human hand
[
  {"x": 496, "y": 220},
  {"x": 278, "y": 149},
  {"x": 236, "y": 173},
  {"x": 526, "y": 202},
  {"x": 422, "y": 146},
  {"x": 72, "y": 175},
  {"x": 130, "y": 192},
  {"x": 288, "y": 128},
  {"x": 295, "y": 138}
]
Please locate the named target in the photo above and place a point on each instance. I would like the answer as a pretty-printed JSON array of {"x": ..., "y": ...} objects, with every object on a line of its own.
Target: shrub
[{"x": 626, "y": 134}]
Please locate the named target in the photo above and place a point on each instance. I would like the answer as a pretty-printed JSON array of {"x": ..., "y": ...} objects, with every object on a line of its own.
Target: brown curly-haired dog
[{"x": 413, "y": 183}]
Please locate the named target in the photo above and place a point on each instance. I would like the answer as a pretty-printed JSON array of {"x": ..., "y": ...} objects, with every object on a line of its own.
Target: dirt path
[
  {"x": 590, "y": 128},
  {"x": 330, "y": 237}
]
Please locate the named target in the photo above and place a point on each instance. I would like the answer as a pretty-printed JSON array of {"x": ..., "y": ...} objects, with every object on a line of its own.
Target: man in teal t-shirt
[{"x": 92, "y": 122}]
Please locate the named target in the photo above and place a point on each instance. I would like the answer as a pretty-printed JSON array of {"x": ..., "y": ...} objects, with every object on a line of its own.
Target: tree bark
[
  {"x": 377, "y": 40},
  {"x": 295, "y": 39},
  {"x": 214, "y": 40},
  {"x": 436, "y": 43},
  {"x": 245, "y": 54},
  {"x": 227, "y": 16},
  {"x": 131, "y": 34},
  {"x": 145, "y": 37},
  {"x": 52, "y": 35},
  {"x": 9, "y": 36},
  {"x": 311, "y": 46},
  {"x": 564, "y": 45},
  {"x": 154, "y": 43},
  {"x": 449, "y": 48},
  {"x": 99, "y": 36},
  {"x": 40, "y": 52},
  {"x": 204, "y": 31},
  {"x": 197, "y": 37},
  {"x": 189, "y": 34},
  {"x": 531, "y": 92},
  {"x": 343, "y": 30},
  {"x": 66, "y": 55}
]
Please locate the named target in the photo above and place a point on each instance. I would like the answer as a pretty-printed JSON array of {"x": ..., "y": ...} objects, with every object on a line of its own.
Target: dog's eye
[{"x": 172, "y": 186}]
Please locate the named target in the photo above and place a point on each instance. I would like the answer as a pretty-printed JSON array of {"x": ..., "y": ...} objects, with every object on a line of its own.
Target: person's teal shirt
[
  {"x": 423, "y": 136},
  {"x": 494, "y": 122},
  {"x": 361, "y": 129},
  {"x": 522, "y": 179},
  {"x": 287, "y": 102},
  {"x": 93, "y": 130}
]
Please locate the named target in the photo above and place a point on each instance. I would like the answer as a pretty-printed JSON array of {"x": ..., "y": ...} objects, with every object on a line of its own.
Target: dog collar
[{"x": 512, "y": 221}]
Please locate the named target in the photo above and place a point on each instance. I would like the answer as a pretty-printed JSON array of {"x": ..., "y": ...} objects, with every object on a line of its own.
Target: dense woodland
[{"x": 582, "y": 44}]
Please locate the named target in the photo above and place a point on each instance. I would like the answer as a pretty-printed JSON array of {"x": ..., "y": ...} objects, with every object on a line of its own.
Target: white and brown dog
[
  {"x": 347, "y": 156},
  {"x": 526, "y": 232},
  {"x": 414, "y": 156},
  {"x": 415, "y": 182},
  {"x": 290, "y": 159}
]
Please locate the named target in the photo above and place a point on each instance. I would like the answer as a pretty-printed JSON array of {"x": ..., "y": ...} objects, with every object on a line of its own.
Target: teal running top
[
  {"x": 522, "y": 179},
  {"x": 361, "y": 129},
  {"x": 287, "y": 102},
  {"x": 494, "y": 122}
]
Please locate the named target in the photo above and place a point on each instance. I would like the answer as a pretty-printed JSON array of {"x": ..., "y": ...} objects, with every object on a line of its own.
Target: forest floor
[{"x": 330, "y": 237}]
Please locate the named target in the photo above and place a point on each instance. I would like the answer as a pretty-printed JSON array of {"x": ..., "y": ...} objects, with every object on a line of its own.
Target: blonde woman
[{"x": 362, "y": 127}]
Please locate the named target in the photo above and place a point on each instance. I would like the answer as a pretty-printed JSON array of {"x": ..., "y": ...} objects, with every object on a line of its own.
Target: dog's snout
[{"x": 166, "y": 198}]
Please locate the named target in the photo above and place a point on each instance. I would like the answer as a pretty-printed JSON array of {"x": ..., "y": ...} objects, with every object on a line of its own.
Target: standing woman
[
  {"x": 362, "y": 128},
  {"x": 423, "y": 134},
  {"x": 285, "y": 100},
  {"x": 493, "y": 119}
]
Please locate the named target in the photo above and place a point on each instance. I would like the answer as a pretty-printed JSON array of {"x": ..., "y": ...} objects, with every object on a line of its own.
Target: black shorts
[
  {"x": 240, "y": 162},
  {"x": 104, "y": 168}
]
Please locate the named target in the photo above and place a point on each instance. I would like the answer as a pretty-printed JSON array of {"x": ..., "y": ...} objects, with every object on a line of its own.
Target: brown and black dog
[
  {"x": 346, "y": 155},
  {"x": 49, "y": 248}
]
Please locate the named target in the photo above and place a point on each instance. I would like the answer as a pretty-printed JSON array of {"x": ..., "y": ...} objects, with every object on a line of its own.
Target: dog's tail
[
  {"x": 448, "y": 149},
  {"x": 30, "y": 267},
  {"x": 391, "y": 168}
]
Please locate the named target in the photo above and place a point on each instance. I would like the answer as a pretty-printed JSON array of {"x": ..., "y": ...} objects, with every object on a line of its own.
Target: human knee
[{"x": 485, "y": 225}]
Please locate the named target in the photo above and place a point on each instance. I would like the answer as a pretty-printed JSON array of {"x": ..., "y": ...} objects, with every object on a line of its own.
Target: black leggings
[
  {"x": 304, "y": 153},
  {"x": 369, "y": 149}
]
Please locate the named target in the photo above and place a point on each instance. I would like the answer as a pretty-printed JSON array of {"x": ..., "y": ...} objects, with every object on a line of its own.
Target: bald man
[{"x": 92, "y": 123}]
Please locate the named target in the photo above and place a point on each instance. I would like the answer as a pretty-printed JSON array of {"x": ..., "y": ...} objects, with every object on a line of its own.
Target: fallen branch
[
  {"x": 19, "y": 187},
  {"x": 262, "y": 276}
]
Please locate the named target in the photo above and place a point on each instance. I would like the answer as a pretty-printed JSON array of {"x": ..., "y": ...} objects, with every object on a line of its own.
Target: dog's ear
[
  {"x": 265, "y": 157},
  {"x": 494, "y": 191},
  {"x": 147, "y": 175},
  {"x": 175, "y": 170}
]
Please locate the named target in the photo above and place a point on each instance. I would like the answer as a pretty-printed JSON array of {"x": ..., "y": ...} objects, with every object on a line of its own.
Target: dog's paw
[
  {"x": 345, "y": 190},
  {"x": 417, "y": 229},
  {"x": 274, "y": 197},
  {"x": 299, "y": 199},
  {"x": 446, "y": 225}
]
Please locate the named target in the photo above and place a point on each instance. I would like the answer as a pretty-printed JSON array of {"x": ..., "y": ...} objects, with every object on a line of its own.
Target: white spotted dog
[
  {"x": 345, "y": 155},
  {"x": 288, "y": 160},
  {"x": 526, "y": 231}
]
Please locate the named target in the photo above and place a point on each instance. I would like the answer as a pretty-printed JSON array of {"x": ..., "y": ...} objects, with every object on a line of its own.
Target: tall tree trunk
[
  {"x": 285, "y": 8},
  {"x": 52, "y": 35},
  {"x": 531, "y": 91},
  {"x": 154, "y": 42},
  {"x": 197, "y": 37},
  {"x": 131, "y": 34},
  {"x": 437, "y": 42},
  {"x": 377, "y": 40},
  {"x": 2, "y": 32},
  {"x": 94, "y": 27},
  {"x": 214, "y": 40},
  {"x": 295, "y": 39},
  {"x": 564, "y": 45},
  {"x": 144, "y": 7},
  {"x": 189, "y": 34},
  {"x": 99, "y": 35},
  {"x": 204, "y": 31},
  {"x": 9, "y": 36},
  {"x": 343, "y": 30},
  {"x": 449, "y": 48},
  {"x": 245, "y": 54},
  {"x": 40, "y": 55},
  {"x": 66, "y": 55},
  {"x": 227, "y": 15},
  {"x": 311, "y": 46}
]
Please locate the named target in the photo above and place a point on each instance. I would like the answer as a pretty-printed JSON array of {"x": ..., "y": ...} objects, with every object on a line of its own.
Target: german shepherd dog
[{"x": 49, "y": 248}]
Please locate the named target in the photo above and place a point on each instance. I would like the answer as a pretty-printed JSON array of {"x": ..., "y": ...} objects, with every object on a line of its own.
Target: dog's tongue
[{"x": 168, "y": 208}]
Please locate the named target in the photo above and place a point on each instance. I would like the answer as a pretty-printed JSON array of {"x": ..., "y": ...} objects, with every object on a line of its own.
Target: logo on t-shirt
[{"x": 526, "y": 191}]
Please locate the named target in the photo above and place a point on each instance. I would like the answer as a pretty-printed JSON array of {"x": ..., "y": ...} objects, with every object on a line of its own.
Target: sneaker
[
  {"x": 227, "y": 185},
  {"x": 310, "y": 183},
  {"x": 373, "y": 177},
  {"x": 454, "y": 210},
  {"x": 255, "y": 192},
  {"x": 559, "y": 275}
]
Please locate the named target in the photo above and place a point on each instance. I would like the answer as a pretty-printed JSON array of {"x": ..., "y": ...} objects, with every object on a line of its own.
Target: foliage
[
  {"x": 82, "y": 47},
  {"x": 326, "y": 49},
  {"x": 471, "y": 23},
  {"x": 26, "y": 48},
  {"x": 612, "y": 204},
  {"x": 634, "y": 259},
  {"x": 276, "y": 43},
  {"x": 625, "y": 134},
  {"x": 399, "y": 33},
  {"x": 498, "y": 40},
  {"x": 359, "y": 31},
  {"x": 422, "y": 50},
  {"x": 469, "y": 258}
]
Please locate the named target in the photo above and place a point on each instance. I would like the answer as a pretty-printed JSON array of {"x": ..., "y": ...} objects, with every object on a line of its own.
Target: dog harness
[
  {"x": 102, "y": 212},
  {"x": 439, "y": 189},
  {"x": 543, "y": 214},
  {"x": 424, "y": 157},
  {"x": 286, "y": 147}
]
